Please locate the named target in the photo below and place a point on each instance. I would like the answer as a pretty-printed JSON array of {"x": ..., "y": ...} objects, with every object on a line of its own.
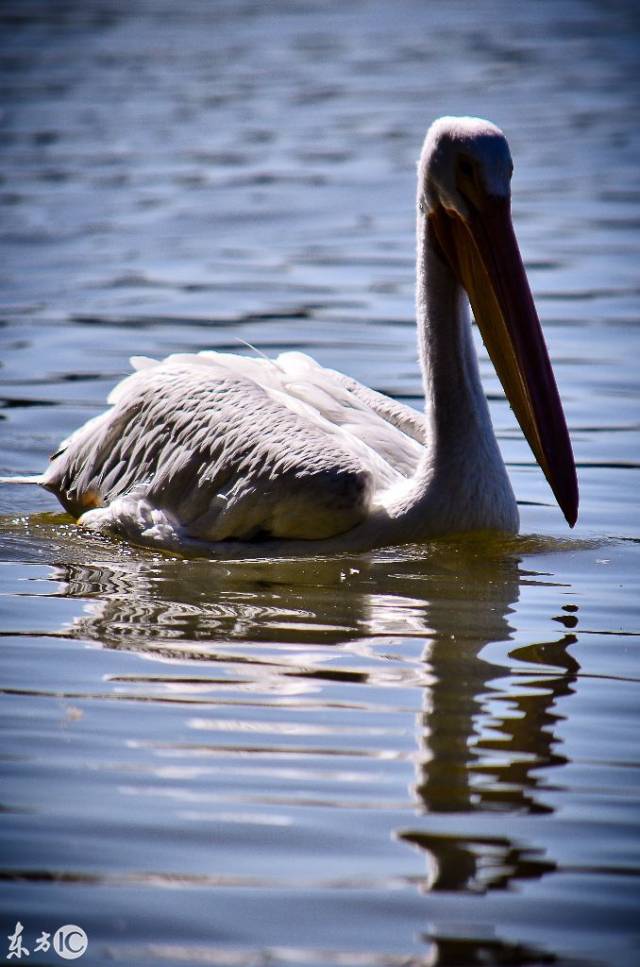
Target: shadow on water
[{"x": 422, "y": 618}]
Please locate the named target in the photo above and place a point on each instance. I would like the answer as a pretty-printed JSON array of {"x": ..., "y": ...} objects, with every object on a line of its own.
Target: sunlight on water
[{"x": 421, "y": 755}]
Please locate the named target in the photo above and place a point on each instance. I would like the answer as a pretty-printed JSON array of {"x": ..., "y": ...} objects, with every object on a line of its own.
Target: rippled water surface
[{"x": 425, "y": 755}]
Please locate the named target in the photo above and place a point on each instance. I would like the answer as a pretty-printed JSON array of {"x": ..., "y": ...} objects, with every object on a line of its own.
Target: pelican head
[{"x": 464, "y": 190}]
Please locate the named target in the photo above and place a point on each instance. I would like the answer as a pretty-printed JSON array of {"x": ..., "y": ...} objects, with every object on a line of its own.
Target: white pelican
[{"x": 212, "y": 449}]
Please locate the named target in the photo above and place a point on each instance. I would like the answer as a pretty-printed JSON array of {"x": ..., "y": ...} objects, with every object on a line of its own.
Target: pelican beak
[{"x": 483, "y": 252}]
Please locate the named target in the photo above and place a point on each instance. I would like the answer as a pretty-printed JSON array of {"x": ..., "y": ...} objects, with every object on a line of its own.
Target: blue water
[{"x": 422, "y": 755}]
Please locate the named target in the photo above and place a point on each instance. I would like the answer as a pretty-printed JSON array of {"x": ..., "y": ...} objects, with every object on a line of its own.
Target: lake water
[{"x": 419, "y": 756}]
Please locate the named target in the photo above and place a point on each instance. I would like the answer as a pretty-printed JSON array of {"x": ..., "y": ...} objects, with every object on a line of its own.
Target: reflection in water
[
  {"x": 460, "y": 952},
  {"x": 482, "y": 743}
]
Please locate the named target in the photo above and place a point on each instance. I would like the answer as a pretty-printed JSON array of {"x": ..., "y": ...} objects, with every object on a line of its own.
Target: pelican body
[{"x": 285, "y": 456}]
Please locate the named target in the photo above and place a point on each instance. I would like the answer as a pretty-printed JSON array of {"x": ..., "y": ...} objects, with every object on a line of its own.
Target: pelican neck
[
  {"x": 456, "y": 408},
  {"x": 461, "y": 483}
]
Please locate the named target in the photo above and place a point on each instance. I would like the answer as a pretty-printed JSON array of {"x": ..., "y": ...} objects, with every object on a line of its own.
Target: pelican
[{"x": 220, "y": 452}]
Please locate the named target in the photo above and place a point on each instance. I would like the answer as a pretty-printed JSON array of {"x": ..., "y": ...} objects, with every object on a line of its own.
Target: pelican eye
[
  {"x": 465, "y": 167},
  {"x": 422, "y": 206}
]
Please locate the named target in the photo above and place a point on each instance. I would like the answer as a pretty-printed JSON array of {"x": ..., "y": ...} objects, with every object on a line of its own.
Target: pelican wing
[
  {"x": 220, "y": 447},
  {"x": 405, "y": 418}
]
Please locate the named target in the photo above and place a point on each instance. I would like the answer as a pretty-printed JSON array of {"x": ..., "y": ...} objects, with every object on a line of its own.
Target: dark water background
[{"x": 417, "y": 756}]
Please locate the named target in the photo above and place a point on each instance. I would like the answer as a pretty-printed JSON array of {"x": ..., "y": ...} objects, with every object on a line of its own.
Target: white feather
[{"x": 229, "y": 447}]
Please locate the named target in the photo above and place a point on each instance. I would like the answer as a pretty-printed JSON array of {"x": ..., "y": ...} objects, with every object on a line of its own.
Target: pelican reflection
[
  {"x": 488, "y": 727},
  {"x": 437, "y": 623}
]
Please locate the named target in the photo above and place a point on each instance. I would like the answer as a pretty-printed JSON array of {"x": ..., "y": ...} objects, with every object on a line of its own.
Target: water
[{"x": 421, "y": 756}]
